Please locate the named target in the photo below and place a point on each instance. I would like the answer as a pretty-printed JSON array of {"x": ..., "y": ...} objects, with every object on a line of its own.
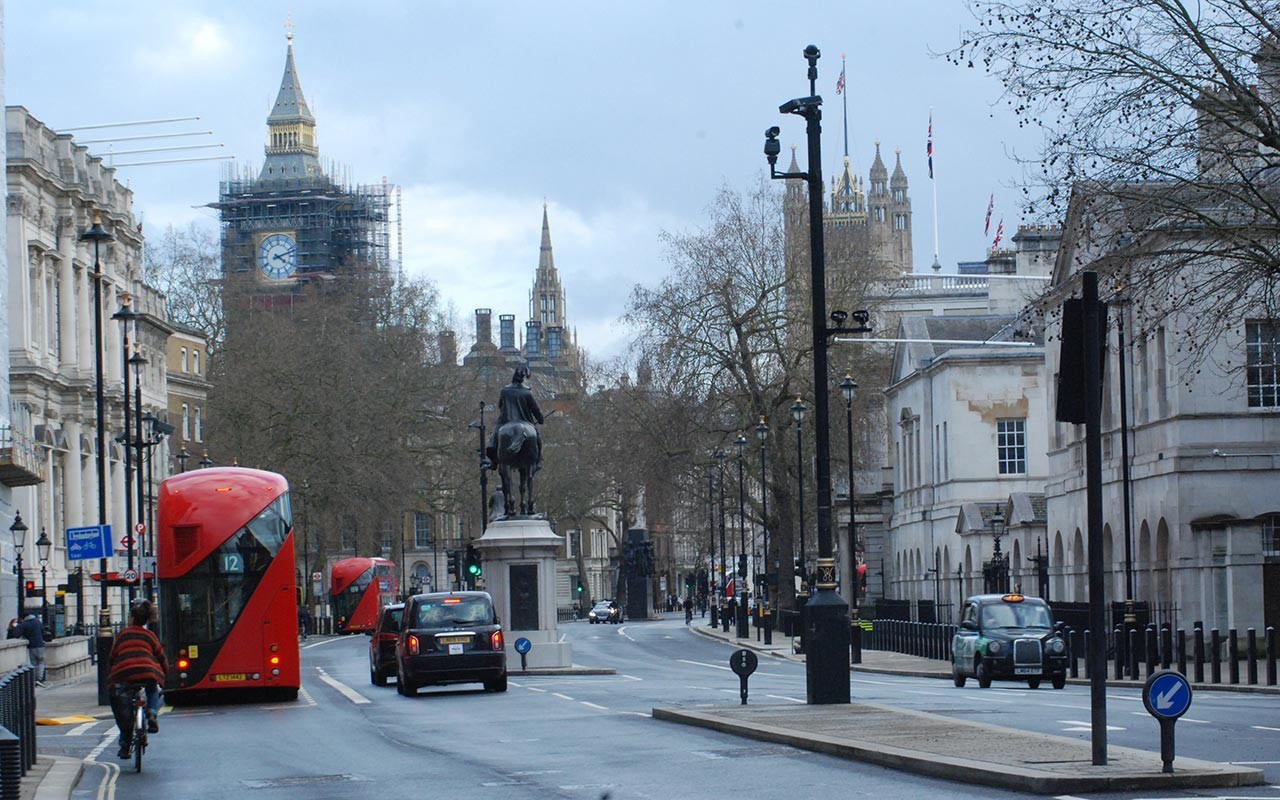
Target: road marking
[
  {"x": 1124, "y": 697},
  {"x": 319, "y": 643},
  {"x": 593, "y": 705},
  {"x": 703, "y": 664},
  {"x": 877, "y": 683},
  {"x": 1063, "y": 705},
  {"x": 343, "y": 689},
  {"x": 1263, "y": 728},
  {"x": 561, "y": 696},
  {"x": 921, "y": 691},
  {"x": 1257, "y": 763},
  {"x": 1083, "y": 726},
  {"x": 636, "y": 713},
  {"x": 784, "y": 697},
  {"x": 1180, "y": 719},
  {"x": 632, "y": 678},
  {"x": 536, "y": 689},
  {"x": 81, "y": 730}
]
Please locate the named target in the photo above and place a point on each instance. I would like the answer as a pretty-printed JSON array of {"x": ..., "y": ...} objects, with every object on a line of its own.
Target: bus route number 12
[{"x": 232, "y": 562}]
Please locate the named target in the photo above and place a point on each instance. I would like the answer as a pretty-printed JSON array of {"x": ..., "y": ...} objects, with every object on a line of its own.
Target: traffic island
[{"x": 959, "y": 750}]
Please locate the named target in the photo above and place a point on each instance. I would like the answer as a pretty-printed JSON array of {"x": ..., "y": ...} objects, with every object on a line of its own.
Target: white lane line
[
  {"x": 561, "y": 696},
  {"x": 1257, "y": 763},
  {"x": 636, "y": 713},
  {"x": 320, "y": 643},
  {"x": 1068, "y": 797},
  {"x": 1063, "y": 705},
  {"x": 631, "y": 677},
  {"x": 1124, "y": 697},
  {"x": 1180, "y": 719},
  {"x": 593, "y": 705},
  {"x": 1263, "y": 728},
  {"x": 536, "y": 689},
  {"x": 83, "y": 728},
  {"x": 784, "y": 697},
  {"x": 1077, "y": 725},
  {"x": 623, "y": 632},
  {"x": 703, "y": 664},
  {"x": 876, "y": 683},
  {"x": 343, "y": 689},
  {"x": 921, "y": 691}
]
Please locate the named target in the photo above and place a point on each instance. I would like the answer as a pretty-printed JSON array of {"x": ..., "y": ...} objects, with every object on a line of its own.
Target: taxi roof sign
[{"x": 1012, "y": 598}]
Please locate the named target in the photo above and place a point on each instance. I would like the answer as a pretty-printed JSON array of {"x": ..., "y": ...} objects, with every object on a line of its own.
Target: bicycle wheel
[{"x": 139, "y": 736}]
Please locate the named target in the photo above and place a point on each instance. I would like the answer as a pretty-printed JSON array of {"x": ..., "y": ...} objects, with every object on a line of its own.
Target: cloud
[{"x": 195, "y": 46}]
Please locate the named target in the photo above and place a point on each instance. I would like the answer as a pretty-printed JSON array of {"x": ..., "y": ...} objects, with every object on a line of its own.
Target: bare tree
[
  {"x": 1160, "y": 120},
  {"x": 186, "y": 265}
]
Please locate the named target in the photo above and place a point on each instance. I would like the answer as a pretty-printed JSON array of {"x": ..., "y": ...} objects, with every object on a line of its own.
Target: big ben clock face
[{"x": 278, "y": 256}]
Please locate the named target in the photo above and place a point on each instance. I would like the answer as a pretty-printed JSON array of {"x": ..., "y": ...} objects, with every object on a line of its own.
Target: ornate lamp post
[
  {"x": 137, "y": 539},
  {"x": 182, "y": 457},
  {"x": 484, "y": 472},
  {"x": 99, "y": 235},
  {"x": 720, "y": 456},
  {"x": 19, "y": 532},
  {"x": 999, "y": 574},
  {"x": 711, "y": 528},
  {"x": 205, "y": 461},
  {"x": 744, "y": 626},
  {"x": 766, "y": 621},
  {"x": 43, "y": 545},
  {"x": 847, "y": 388},
  {"x": 125, "y": 315},
  {"x": 798, "y": 410}
]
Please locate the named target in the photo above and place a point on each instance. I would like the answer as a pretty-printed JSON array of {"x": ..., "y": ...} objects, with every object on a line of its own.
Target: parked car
[
  {"x": 1008, "y": 636},
  {"x": 382, "y": 644},
  {"x": 605, "y": 611},
  {"x": 450, "y": 637}
]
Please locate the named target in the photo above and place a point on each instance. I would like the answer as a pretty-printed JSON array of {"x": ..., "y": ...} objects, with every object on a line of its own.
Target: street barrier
[
  {"x": 923, "y": 639},
  {"x": 1233, "y": 653},
  {"x": 18, "y": 717}
]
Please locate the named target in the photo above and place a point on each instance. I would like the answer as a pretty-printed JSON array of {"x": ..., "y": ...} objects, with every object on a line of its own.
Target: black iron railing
[{"x": 18, "y": 731}]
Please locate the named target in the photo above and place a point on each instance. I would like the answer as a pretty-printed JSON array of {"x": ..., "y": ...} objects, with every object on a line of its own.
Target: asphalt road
[{"x": 591, "y": 736}]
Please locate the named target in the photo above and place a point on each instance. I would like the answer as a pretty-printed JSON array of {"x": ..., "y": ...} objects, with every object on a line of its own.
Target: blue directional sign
[
  {"x": 91, "y": 541},
  {"x": 523, "y": 645},
  {"x": 1167, "y": 694}
]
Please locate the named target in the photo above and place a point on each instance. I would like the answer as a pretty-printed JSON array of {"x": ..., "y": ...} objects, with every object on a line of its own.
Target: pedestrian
[
  {"x": 304, "y": 621},
  {"x": 688, "y": 609},
  {"x": 31, "y": 630},
  {"x": 15, "y": 629}
]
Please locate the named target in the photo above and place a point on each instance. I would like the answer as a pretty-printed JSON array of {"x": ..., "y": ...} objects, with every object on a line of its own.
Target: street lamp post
[
  {"x": 137, "y": 538},
  {"x": 827, "y": 657},
  {"x": 766, "y": 620},
  {"x": 847, "y": 389},
  {"x": 125, "y": 316},
  {"x": 744, "y": 627},
  {"x": 43, "y": 545},
  {"x": 711, "y": 528},
  {"x": 182, "y": 458},
  {"x": 720, "y": 456},
  {"x": 99, "y": 235},
  {"x": 19, "y": 532},
  {"x": 998, "y": 581},
  {"x": 798, "y": 410},
  {"x": 205, "y": 461}
]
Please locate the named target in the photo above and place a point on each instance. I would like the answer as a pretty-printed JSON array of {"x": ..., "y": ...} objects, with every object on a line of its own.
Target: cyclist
[{"x": 136, "y": 659}]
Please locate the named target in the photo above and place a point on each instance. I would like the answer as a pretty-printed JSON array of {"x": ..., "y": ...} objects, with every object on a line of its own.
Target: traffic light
[
  {"x": 474, "y": 569},
  {"x": 742, "y": 565},
  {"x": 579, "y": 587},
  {"x": 31, "y": 588},
  {"x": 455, "y": 566}
]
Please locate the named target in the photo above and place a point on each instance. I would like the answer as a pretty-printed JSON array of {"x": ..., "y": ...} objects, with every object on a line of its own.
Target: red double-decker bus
[
  {"x": 228, "y": 590},
  {"x": 358, "y": 588}
]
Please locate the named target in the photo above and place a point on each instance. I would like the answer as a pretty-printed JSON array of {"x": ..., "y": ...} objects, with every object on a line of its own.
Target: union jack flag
[
  {"x": 840, "y": 82},
  {"x": 999, "y": 235},
  {"x": 929, "y": 146},
  {"x": 991, "y": 204}
]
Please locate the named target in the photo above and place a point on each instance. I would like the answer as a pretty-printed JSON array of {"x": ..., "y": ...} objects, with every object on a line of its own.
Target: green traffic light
[{"x": 474, "y": 569}]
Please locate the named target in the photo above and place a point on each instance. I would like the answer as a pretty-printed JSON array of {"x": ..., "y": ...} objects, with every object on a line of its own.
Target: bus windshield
[
  {"x": 202, "y": 605},
  {"x": 345, "y": 602}
]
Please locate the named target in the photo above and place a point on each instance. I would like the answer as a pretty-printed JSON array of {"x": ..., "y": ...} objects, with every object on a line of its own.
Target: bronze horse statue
[{"x": 517, "y": 447}]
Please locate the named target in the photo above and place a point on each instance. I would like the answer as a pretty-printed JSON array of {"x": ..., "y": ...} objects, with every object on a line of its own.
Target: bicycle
[{"x": 139, "y": 701}]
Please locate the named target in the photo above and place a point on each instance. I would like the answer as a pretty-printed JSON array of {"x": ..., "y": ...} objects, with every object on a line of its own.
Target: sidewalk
[
  {"x": 71, "y": 702},
  {"x": 946, "y": 747}
]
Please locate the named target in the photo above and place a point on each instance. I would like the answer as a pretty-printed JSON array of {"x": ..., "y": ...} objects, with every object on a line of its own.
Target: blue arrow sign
[
  {"x": 1167, "y": 694},
  {"x": 523, "y": 645},
  {"x": 92, "y": 541}
]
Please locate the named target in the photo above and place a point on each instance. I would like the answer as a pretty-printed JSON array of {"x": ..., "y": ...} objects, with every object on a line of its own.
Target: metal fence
[
  {"x": 924, "y": 639},
  {"x": 18, "y": 734}
]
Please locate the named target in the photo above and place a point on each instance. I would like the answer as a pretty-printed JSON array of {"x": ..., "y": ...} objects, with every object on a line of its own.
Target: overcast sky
[{"x": 626, "y": 117}]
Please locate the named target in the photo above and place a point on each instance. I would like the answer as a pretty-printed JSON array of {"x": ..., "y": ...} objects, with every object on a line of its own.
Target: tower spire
[{"x": 292, "y": 153}]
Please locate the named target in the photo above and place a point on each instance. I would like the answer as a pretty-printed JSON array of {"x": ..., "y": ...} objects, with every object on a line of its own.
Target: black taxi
[{"x": 1008, "y": 636}]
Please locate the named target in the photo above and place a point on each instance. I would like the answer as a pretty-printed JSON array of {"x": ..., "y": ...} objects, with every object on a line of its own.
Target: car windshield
[
  {"x": 1016, "y": 615},
  {"x": 602, "y": 607},
  {"x": 454, "y": 611}
]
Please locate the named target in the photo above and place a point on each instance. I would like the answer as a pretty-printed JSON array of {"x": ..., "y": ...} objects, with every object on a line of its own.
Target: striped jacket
[{"x": 137, "y": 657}]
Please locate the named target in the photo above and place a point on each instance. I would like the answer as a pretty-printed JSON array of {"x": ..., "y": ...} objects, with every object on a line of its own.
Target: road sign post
[
  {"x": 1167, "y": 696},
  {"x": 522, "y": 647},
  {"x": 743, "y": 662}
]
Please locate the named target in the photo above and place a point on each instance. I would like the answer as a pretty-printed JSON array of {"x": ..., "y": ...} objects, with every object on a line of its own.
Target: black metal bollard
[
  {"x": 1233, "y": 653},
  {"x": 1086, "y": 650},
  {"x": 1215, "y": 654},
  {"x": 1180, "y": 650},
  {"x": 1150, "y": 641},
  {"x": 1251, "y": 653},
  {"x": 1119, "y": 651},
  {"x": 855, "y": 643},
  {"x": 1073, "y": 653},
  {"x": 1197, "y": 642},
  {"x": 10, "y": 765},
  {"x": 1166, "y": 647},
  {"x": 1131, "y": 643},
  {"x": 1271, "y": 656}
]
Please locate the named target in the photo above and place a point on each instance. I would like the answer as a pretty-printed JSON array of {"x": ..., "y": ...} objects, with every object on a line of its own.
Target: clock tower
[{"x": 296, "y": 220}]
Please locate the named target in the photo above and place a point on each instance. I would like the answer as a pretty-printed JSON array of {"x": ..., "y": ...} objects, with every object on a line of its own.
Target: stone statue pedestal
[{"x": 520, "y": 573}]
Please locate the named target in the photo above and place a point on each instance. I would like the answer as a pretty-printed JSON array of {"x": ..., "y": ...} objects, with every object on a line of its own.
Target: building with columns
[{"x": 55, "y": 189}]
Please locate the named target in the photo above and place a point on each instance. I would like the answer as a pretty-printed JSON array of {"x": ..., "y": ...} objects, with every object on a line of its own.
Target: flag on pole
[
  {"x": 991, "y": 204},
  {"x": 929, "y": 146},
  {"x": 999, "y": 235},
  {"x": 840, "y": 82}
]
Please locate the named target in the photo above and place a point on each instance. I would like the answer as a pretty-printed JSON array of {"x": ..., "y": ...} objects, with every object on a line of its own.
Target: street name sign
[
  {"x": 91, "y": 541},
  {"x": 1167, "y": 696}
]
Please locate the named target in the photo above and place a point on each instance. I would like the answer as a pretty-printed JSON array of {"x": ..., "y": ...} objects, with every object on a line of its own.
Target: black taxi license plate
[
  {"x": 228, "y": 676},
  {"x": 453, "y": 639},
  {"x": 1026, "y": 670}
]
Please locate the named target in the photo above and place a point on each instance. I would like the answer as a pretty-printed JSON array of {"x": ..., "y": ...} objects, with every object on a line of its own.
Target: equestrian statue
[{"x": 516, "y": 443}]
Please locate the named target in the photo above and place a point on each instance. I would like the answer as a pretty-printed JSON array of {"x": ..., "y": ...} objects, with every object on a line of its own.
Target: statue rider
[{"x": 516, "y": 404}]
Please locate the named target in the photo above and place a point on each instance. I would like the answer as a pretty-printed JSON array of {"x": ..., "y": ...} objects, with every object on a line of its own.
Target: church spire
[{"x": 546, "y": 263}]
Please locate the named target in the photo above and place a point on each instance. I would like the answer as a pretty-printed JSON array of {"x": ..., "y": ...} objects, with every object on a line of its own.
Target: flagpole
[
  {"x": 845, "y": 93},
  {"x": 937, "y": 264}
]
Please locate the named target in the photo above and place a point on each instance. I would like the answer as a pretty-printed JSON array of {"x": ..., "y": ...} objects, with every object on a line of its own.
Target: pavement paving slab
[{"x": 955, "y": 749}]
